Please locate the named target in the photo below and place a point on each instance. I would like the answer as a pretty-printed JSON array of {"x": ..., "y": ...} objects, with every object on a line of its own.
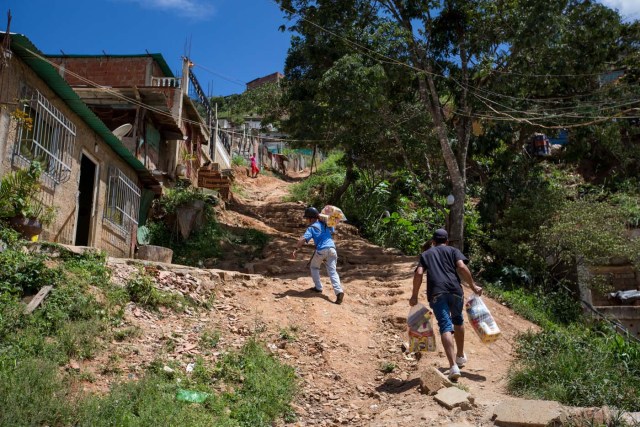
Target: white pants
[{"x": 330, "y": 256}]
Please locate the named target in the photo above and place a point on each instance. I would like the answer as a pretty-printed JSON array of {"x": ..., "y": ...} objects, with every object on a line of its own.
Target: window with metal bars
[
  {"x": 123, "y": 201},
  {"x": 49, "y": 138}
]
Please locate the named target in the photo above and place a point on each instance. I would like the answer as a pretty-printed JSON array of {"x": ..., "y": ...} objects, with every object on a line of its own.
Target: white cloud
[
  {"x": 629, "y": 9},
  {"x": 197, "y": 9}
]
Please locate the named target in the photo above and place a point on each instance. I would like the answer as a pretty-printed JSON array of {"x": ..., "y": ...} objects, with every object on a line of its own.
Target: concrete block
[
  {"x": 452, "y": 397},
  {"x": 529, "y": 413},
  {"x": 430, "y": 383}
]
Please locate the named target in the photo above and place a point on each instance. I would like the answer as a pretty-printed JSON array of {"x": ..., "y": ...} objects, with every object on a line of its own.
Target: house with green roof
[{"x": 89, "y": 176}]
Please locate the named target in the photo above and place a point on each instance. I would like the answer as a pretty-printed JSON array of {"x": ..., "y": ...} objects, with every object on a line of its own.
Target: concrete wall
[
  {"x": 110, "y": 71},
  {"x": 619, "y": 277},
  {"x": 64, "y": 195}
]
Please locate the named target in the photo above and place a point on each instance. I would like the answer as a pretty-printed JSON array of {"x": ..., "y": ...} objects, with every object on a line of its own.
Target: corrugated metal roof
[{"x": 24, "y": 49}]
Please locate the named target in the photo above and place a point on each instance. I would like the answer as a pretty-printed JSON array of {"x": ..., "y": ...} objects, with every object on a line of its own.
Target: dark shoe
[
  {"x": 339, "y": 298},
  {"x": 316, "y": 290}
]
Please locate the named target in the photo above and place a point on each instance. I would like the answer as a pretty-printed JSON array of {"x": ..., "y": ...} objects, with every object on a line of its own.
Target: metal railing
[
  {"x": 44, "y": 135},
  {"x": 166, "y": 82},
  {"x": 123, "y": 201}
]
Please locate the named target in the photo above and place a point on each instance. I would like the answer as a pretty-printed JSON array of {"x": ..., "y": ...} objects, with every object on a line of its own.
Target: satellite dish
[{"x": 121, "y": 131}]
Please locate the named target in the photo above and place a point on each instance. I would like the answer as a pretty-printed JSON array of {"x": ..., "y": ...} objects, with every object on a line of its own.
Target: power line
[
  {"x": 379, "y": 57},
  {"x": 222, "y": 76},
  {"x": 147, "y": 106}
]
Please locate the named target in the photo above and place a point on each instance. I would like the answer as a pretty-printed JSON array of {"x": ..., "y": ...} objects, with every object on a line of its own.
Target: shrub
[
  {"x": 33, "y": 393},
  {"x": 142, "y": 290},
  {"x": 238, "y": 161},
  {"x": 25, "y": 273}
]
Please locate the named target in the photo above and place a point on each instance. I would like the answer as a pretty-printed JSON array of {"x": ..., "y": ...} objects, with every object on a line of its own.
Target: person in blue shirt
[{"x": 325, "y": 251}]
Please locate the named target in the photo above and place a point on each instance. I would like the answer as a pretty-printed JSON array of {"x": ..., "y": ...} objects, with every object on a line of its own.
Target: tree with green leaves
[{"x": 460, "y": 62}]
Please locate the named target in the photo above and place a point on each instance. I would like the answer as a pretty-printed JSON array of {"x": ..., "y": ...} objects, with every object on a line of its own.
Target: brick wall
[
  {"x": 109, "y": 71},
  {"x": 271, "y": 78}
]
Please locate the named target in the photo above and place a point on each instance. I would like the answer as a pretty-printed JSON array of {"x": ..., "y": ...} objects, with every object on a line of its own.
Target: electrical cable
[{"x": 368, "y": 51}]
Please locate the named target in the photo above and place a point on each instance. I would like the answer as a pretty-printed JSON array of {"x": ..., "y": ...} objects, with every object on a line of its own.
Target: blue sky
[{"x": 232, "y": 41}]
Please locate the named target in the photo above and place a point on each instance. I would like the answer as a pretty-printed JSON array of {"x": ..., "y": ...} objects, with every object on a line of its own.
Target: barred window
[
  {"x": 48, "y": 138},
  {"x": 123, "y": 201}
]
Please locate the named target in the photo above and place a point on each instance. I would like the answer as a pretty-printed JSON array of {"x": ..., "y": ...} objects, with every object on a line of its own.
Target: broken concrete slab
[
  {"x": 452, "y": 397},
  {"x": 432, "y": 380},
  {"x": 529, "y": 413}
]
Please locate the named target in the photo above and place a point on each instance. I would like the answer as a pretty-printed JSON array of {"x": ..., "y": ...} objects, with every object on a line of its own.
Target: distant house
[
  {"x": 271, "y": 78},
  {"x": 89, "y": 176}
]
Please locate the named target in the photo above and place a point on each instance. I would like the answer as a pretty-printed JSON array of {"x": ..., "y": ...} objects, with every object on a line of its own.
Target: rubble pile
[{"x": 195, "y": 284}]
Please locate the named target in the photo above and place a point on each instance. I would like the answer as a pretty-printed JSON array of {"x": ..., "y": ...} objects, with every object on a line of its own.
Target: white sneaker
[
  {"x": 461, "y": 360},
  {"x": 454, "y": 373}
]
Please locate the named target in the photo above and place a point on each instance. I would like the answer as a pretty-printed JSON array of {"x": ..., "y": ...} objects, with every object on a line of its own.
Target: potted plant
[
  {"x": 20, "y": 202},
  {"x": 185, "y": 159}
]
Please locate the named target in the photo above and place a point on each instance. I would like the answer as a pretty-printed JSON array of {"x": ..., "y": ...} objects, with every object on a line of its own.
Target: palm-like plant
[{"x": 19, "y": 196}]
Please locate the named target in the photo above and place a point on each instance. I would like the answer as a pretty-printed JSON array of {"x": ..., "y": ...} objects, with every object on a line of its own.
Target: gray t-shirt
[{"x": 442, "y": 275}]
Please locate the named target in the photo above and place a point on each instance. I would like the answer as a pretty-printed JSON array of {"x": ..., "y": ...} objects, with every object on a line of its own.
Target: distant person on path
[
  {"x": 325, "y": 252},
  {"x": 444, "y": 265},
  {"x": 255, "y": 170}
]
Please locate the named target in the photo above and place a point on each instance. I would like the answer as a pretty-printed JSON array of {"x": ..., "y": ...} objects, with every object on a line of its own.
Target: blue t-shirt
[
  {"x": 321, "y": 235},
  {"x": 439, "y": 263}
]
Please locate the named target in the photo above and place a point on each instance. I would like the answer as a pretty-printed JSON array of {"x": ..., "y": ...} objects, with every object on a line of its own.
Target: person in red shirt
[{"x": 255, "y": 170}]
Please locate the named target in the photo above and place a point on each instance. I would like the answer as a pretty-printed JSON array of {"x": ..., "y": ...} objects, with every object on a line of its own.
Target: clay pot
[{"x": 27, "y": 227}]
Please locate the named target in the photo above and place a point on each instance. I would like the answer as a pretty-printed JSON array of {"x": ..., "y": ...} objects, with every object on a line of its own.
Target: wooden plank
[{"x": 35, "y": 302}]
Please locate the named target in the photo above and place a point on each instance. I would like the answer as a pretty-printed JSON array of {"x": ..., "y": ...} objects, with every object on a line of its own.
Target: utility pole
[{"x": 215, "y": 136}]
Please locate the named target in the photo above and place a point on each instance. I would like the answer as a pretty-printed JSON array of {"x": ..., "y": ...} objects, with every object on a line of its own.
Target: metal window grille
[
  {"x": 123, "y": 201},
  {"x": 49, "y": 139}
]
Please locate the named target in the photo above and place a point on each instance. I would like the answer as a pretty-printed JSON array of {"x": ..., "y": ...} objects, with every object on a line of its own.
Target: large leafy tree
[{"x": 460, "y": 61}]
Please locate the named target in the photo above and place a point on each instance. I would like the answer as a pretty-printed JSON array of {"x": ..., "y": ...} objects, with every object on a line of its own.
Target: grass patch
[
  {"x": 141, "y": 290},
  {"x": 578, "y": 366},
  {"x": 545, "y": 307},
  {"x": 288, "y": 334},
  {"x": 245, "y": 388},
  {"x": 570, "y": 361},
  {"x": 209, "y": 339},
  {"x": 126, "y": 333},
  {"x": 259, "y": 390},
  {"x": 33, "y": 394},
  {"x": 388, "y": 367}
]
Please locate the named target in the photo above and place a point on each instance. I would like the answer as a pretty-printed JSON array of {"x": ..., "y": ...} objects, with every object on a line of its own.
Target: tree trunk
[
  {"x": 349, "y": 178},
  {"x": 429, "y": 96}
]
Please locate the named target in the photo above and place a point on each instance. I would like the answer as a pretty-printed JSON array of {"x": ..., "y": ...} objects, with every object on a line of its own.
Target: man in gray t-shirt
[{"x": 444, "y": 265}]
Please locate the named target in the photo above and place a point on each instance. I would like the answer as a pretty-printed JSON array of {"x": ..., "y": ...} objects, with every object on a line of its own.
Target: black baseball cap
[{"x": 440, "y": 235}]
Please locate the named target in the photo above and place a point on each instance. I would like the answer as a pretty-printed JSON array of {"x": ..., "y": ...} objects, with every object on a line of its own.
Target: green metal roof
[
  {"x": 156, "y": 57},
  {"x": 28, "y": 53}
]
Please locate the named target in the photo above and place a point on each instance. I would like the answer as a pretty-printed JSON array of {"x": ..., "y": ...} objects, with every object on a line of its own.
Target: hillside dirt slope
[{"x": 339, "y": 349}]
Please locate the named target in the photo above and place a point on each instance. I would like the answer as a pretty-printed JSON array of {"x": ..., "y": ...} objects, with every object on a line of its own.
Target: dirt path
[{"x": 338, "y": 350}]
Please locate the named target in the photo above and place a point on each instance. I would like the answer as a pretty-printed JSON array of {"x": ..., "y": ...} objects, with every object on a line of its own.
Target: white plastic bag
[{"x": 481, "y": 320}]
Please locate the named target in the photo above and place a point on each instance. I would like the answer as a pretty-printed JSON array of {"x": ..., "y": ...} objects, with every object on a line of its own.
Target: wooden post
[
  {"x": 35, "y": 302},
  {"x": 313, "y": 160}
]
